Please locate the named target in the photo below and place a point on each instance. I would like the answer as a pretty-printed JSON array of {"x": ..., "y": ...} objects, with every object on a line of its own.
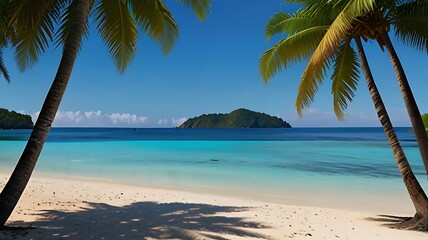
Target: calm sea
[{"x": 352, "y": 168}]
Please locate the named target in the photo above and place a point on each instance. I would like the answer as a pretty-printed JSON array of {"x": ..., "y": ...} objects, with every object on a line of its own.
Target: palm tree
[
  {"x": 32, "y": 28},
  {"x": 322, "y": 32},
  {"x": 409, "y": 20}
]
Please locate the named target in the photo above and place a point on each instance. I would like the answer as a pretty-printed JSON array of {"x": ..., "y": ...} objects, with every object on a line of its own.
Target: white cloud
[
  {"x": 126, "y": 118},
  {"x": 174, "y": 122},
  {"x": 163, "y": 121},
  {"x": 69, "y": 117},
  {"x": 178, "y": 121},
  {"x": 93, "y": 115},
  {"x": 95, "y": 119}
]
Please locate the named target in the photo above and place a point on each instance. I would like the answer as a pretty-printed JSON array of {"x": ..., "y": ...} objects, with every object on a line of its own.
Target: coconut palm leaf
[
  {"x": 292, "y": 49},
  {"x": 312, "y": 78},
  {"x": 315, "y": 8},
  {"x": 340, "y": 27},
  {"x": 278, "y": 25},
  {"x": 65, "y": 22},
  {"x": 328, "y": 46},
  {"x": 118, "y": 29},
  {"x": 345, "y": 78},
  {"x": 3, "y": 38},
  {"x": 33, "y": 24},
  {"x": 154, "y": 18},
  {"x": 284, "y": 23},
  {"x": 3, "y": 70},
  {"x": 3, "y": 21},
  {"x": 200, "y": 7},
  {"x": 410, "y": 24}
]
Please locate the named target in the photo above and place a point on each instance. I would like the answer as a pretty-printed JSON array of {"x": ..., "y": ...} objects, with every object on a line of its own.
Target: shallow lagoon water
[{"x": 354, "y": 167}]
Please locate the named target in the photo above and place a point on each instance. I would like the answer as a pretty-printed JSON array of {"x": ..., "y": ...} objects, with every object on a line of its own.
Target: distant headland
[
  {"x": 240, "y": 118},
  {"x": 14, "y": 120}
]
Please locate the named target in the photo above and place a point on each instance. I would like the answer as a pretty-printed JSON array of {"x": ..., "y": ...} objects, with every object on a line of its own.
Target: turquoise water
[{"x": 354, "y": 167}]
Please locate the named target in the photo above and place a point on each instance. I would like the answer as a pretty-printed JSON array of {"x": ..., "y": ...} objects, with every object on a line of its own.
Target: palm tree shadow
[
  {"x": 145, "y": 220},
  {"x": 389, "y": 220}
]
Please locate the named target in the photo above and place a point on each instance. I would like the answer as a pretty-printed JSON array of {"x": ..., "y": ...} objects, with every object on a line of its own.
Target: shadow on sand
[
  {"x": 389, "y": 220},
  {"x": 142, "y": 220}
]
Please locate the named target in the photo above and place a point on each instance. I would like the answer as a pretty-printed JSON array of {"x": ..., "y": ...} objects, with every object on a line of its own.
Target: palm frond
[
  {"x": 33, "y": 25},
  {"x": 65, "y": 23},
  {"x": 327, "y": 48},
  {"x": 410, "y": 24},
  {"x": 118, "y": 29},
  {"x": 3, "y": 22},
  {"x": 345, "y": 78},
  {"x": 276, "y": 25},
  {"x": 339, "y": 28},
  {"x": 3, "y": 38},
  {"x": 284, "y": 23},
  {"x": 326, "y": 9},
  {"x": 312, "y": 78},
  {"x": 154, "y": 18},
  {"x": 305, "y": 2},
  {"x": 200, "y": 7},
  {"x": 3, "y": 70},
  {"x": 292, "y": 49}
]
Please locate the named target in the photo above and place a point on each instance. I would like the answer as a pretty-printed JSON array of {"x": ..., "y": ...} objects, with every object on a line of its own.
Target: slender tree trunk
[
  {"x": 21, "y": 175},
  {"x": 409, "y": 100},
  {"x": 416, "y": 192}
]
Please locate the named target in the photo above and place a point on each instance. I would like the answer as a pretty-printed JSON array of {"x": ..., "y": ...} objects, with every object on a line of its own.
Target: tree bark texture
[{"x": 409, "y": 101}]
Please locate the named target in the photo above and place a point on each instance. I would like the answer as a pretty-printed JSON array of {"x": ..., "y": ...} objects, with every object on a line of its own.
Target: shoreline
[
  {"x": 81, "y": 208},
  {"x": 391, "y": 203},
  {"x": 370, "y": 204},
  {"x": 335, "y": 200}
]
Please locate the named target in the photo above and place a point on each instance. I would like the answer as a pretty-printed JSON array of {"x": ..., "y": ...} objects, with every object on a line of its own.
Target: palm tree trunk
[
  {"x": 416, "y": 193},
  {"x": 409, "y": 100},
  {"x": 21, "y": 175}
]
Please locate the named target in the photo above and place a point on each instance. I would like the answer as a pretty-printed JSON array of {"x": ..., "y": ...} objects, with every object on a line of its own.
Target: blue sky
[{"x": 212, "y": 69}]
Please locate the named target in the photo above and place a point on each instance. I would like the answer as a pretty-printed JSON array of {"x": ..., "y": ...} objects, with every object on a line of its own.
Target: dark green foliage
[
  {"x": 240, "y": 118},
  {"x": 14, "y": 120},
  {"x": 3, "y": 39}
]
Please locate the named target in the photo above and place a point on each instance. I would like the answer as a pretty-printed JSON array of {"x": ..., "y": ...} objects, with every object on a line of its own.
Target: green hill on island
[
  {"x": 240, "y": 118},
  {"x": 14, "y": 120}
]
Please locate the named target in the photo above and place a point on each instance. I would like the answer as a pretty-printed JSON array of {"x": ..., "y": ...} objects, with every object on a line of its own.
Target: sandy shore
[{"x": 61, "y": 208}]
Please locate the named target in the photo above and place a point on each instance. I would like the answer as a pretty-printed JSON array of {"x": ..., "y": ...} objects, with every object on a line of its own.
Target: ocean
[{"x": 352, "y": 168}]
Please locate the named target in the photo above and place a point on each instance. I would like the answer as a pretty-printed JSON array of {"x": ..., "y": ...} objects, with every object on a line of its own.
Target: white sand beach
[{"x": 76, "y": 208}]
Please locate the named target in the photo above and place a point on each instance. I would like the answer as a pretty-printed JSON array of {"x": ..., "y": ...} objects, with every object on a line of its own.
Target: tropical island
[
  {"x": 239, "y": 118},
  {"x": 14, "y": 120}
]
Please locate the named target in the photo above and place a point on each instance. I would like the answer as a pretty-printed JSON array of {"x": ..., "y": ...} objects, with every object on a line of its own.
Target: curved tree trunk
[
  {"x": 416, "y": 192},
  {"x": 21, "y": 175},
  {"x": 409, "y": 100}
]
